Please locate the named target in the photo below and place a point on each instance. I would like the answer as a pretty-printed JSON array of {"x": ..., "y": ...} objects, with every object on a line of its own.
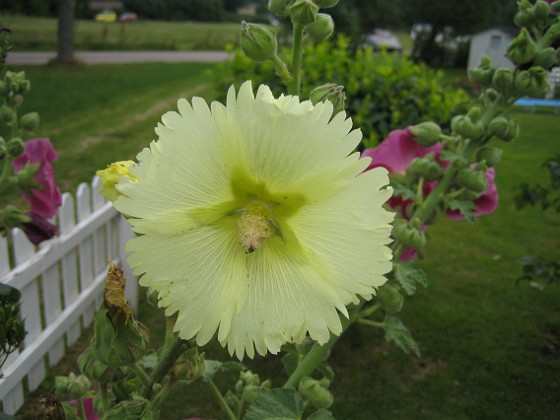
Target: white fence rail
[{"x": 61, "y": 284}]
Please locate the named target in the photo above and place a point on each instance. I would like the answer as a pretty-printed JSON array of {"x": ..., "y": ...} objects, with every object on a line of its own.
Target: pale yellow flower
[{"x": 256, "y": 220}]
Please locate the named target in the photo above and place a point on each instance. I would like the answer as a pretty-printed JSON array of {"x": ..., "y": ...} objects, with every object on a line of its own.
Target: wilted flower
[
  {"x": 45, "y": 201},
  {"x": 110, "y": 177},
  {"x": 38, "y": 229},
  {"x": 256, "y": 220}
]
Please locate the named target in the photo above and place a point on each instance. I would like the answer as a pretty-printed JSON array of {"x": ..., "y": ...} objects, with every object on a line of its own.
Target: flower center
[{"x": 254, "y": 229}]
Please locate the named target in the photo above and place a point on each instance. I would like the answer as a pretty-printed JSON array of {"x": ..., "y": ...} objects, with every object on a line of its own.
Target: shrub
[{"x": 385, "y": 91}]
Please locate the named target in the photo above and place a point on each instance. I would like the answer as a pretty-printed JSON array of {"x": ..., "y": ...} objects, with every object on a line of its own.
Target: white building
[{"x": 493, "y": 43}]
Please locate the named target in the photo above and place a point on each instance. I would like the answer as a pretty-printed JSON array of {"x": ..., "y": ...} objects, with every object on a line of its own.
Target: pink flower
[
  {"x": 46, "y": 200},
  {"x": 89, "y": 411},
  {"x": 38, "y": 229}
]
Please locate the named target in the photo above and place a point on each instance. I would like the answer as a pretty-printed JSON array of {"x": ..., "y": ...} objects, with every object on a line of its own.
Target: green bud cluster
[
  {"x": 322, "y": 28},
  {"x": 464, "y": 126},
  {"x": 489, "y": 155},
  {"x": 137, "y": 408},
  {"x": 303, "y": 12},
  {"x": 409, "y": 235},
  {"x": 532, "y": 82},
  {"x": 246, "y": 388},
  {"x": 72, "y": 386},
  {"x": 473, "y": 180},
  {"x": 425, "y": 167},
  {"x": 482, "y": 74},
  {"x": 97, "y": 370},
  {"x": 523, "y": 49},
  {"x": 315, "y": 392},
  {"x": 13, "y": 217},
  {"x": 505, "y": 129}
]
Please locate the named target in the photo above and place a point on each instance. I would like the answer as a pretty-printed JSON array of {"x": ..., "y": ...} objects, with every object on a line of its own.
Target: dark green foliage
[
  {"x": 544, "y": 196},
  {"x": 539, "y": 269},
  {"x": 384, "y": 91},
  {"x": 12, "y": 331},
  {"x": 197, "y": 10}
]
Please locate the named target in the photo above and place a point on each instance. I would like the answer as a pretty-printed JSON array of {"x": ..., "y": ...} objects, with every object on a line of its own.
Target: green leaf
[
  {"x": 396, "y": 332},
  {"x": 466, "y": 208},
  {"x": 401, "y": 189},
  {"x": 276, "y": 404},
  {"x": 409, "y": 275},
  {"x": 321, "y": 414},
  {"x": 211, "y": 367}
]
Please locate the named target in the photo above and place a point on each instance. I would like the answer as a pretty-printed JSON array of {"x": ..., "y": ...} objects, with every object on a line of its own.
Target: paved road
[{"x": 112, "y": 57}]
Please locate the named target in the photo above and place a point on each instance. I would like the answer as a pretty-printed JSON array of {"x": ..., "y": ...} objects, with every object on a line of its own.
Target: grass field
[
  {"x": 40, "y": 34},
  {"x": 491, "y": 348}
]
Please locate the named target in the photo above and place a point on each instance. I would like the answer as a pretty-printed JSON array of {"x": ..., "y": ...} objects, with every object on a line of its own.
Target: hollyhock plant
[
  {"x": 396, "y": 154},
  {"x": 256, "y": 220},
  {"x": 44, "y": 201}
]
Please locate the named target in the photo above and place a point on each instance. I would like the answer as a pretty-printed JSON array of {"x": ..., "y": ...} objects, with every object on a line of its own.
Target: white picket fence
[{"x": 61, "y": 283}]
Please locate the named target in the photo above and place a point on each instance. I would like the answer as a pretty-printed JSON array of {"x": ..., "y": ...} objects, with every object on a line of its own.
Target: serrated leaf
[
  {"x": 465, "y": 207},
  {"x": 276, "y": 404},
  {"x": 409, "y": 275},
  {"x": 321, "y": 414},
  {"x": 397, "y": 332},
  {"x": 400, "y": 189}
]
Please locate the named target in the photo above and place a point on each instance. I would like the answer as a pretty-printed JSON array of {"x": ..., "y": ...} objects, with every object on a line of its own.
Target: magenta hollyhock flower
[
  {"x": 38, "y": 229},
  {"x": 89, "y": 411},
  {"x": 45, "y": 201}
]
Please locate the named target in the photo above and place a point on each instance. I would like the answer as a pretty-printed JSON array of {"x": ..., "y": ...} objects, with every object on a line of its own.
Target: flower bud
[
  {"x": 474, "y": 113},
  {"x": 481, "y": 76},
  {"x": 491, "y": 94},
  {"x": 463, "y": 126},
  {"x": 137, "y": 408},
  {"x": 555, "y": 6},
  {"x": 425, "y": 167},
  {"x": 524, "y": 18},
  {"x": 541, "y": 10},
  {"x": 546, "y": 58},
  {"x": 250, "y": 393},
  {"x": 532, "y": 82},
  {"x": 7, "y": 114},
  {"x": 110, "y": 177},
  {"x": 503, "y": 80},
  {"x": 98, "y": 370},
  {"x": 61, "y": 385},
  {"x": 332, "y": 92},
  {"x": 472, "y": 179},
  {"x": 257, "y": 41},
  {"x": 250, "y": 378},
  {"x": 426, "y": 134},
  {"x": 232, "y": 401},
  {"x": 390, "y": 298},
  {"x": 13, "y": 217},
  {"x": 325, "y": 4},
  {"x": 408, "y": 235},
  {"x": 551, "y": 35},
  {"x": 490, "y": 155},
  {"x": 29, "y": 121},
  {"x": 312, "y": 391},
  {"x": 190, "y": 366},
  {"x": 322, "y": 28},
  {"x": 78, "y": 386},
  {"x": 278, "y": 7},
  {"x": 15, "y": 147},
  {"x": 523, "y": 49},
  {"x": 303, "y": 12},
  {"x": 24, "y": 177},
  {"x": 3, "y": 88}
]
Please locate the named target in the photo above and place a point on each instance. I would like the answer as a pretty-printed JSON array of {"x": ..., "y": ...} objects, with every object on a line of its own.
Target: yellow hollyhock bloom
[
  {"x": 111, "y": 176},
  {"x": 256, "y": 220}
]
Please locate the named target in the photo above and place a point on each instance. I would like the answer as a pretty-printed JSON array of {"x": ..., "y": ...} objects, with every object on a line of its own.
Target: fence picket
[
  {"x": 61, "y": 282},
  {"x": 70, "y": 286},
  {"x": 83, "y": 210}
]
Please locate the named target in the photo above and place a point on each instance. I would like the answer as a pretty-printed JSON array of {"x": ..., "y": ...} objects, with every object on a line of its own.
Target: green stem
[
  {"x": 368, "y": 311},
  {"x": 221, "y": 400},
  {"x": 7, "y": 161},
  {"x": 104, "y": 397},
  {"x": 282, "y": 69},
  {"x": 141, "y": 374},
  {"x": 294, "y": 87},
  {"x": 371, "y": 323},
  {"x": 166, "y": 362},
  {"x": 162, "y": 394},
  {"x": 319, "y": 353},
  {"x": 82, "y": 408},
  {"x": 169, "y": 325}
]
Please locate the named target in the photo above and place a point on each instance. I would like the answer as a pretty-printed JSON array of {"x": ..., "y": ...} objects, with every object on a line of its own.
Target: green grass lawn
[
  {"x": 490, "y": 348},
  {"x": 40, "y": 34}
]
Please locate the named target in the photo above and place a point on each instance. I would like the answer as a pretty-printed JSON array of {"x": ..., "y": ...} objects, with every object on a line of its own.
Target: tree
[{"x": 66, "y": 31}]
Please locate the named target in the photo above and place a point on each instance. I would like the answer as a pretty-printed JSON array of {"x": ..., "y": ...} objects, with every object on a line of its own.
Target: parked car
[
  {"x": 383, "y": 39},
  {"x": 128, "y": 17},
  {"x": 106, "y": 16}
]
